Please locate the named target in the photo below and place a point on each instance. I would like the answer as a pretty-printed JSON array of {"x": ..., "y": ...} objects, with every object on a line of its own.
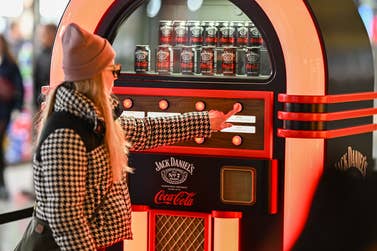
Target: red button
[
  {"x": 163, "y": 104},
  {"x": 128, "y": 103},
  {"x": 237, "y": 140},
  {"x": 200, "y": 106}
]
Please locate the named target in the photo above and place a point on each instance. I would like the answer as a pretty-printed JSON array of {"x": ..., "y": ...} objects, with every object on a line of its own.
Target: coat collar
[{"x": 69, "y": 100}]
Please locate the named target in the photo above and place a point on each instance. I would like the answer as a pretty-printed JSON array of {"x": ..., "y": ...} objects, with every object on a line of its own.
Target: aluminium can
[
  {"x": 180, "y": 36},
  {"x": 252, "y": 61},
  {"x": 209, "y": 33},
  {"x": 194, "y": 30},
  {"x": 228, "y": 58},
  {"x": 207, "y": 60},
  {"x": 242, "y": 34},
  {"x": 164, "y": 59},
  {"x": 254, "y": 36},
  {"x": 142, "y": 58},
  {"x": 187, "y": 60},
  {"x": 222, "y": 30},
  {"x": 166, "y": 32}
]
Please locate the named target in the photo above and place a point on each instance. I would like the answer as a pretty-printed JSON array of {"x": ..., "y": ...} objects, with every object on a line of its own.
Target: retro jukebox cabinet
[{"x": 303, "y": 74}]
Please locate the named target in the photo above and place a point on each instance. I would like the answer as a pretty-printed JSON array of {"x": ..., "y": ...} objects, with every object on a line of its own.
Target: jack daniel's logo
[{"x": 174, "y": 171}]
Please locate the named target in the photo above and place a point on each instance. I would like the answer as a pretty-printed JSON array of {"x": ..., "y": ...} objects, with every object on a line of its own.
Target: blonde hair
[{"x": 94, "y": 89}]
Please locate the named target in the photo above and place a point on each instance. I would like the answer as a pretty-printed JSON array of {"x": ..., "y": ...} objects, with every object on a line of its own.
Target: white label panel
[
  {"x": 240, "y": 129},
  {"x": 242, "y": 119}
]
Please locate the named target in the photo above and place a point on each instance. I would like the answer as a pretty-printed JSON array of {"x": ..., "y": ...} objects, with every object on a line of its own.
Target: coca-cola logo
[
  {"x": 181, "y": 198},
  {"x": 228, "y": 57},
  {"x": 140, "y": 55}
]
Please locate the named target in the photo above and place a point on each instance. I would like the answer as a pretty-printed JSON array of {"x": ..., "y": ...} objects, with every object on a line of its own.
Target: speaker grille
[
  {"x": 179, "y": 233},
  {"x": 238, "y": 185}
]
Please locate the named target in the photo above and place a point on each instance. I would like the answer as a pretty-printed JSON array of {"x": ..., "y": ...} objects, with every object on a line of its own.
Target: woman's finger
[{"x": 236, "y": 108}]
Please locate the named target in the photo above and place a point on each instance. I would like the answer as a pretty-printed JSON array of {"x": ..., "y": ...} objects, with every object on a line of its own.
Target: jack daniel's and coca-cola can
[
  {"x": 252, "y": 61},
  {"x": 241, "y": 30},
  {"x": 203, "y": 47},
  {"x": 253, "y": 35},
  {"x": 142, "y": 58},
  {"x": 207, "y": 60},
  {"x": 166, "y": 32},
  {"x": 194, "y": 32},
  {"x": 187, "y": 60},
  {"x": 228, "y": 64},
  {"x": 164, "y": 56},
  {"x": 180, "y": 32},
  {"x": 209, "y": 33}
]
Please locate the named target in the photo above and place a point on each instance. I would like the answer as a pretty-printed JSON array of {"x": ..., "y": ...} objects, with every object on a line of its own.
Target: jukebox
[{"x": 302, "y": 72}]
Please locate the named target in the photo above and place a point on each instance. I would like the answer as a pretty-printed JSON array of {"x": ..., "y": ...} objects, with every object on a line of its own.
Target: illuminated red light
[
  {"x": 163, "y": 104},
  {"x": 237, "y": 140},
  {"x": 128, "y": 103},
  {"x": 200, "y": 106},
  {"x": 199, "y": 140}
]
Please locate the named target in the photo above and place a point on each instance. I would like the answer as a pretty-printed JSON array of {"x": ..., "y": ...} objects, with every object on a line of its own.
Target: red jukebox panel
[
  {"x": 302, "y": 109},
  {"x": 251, "y": 134}
]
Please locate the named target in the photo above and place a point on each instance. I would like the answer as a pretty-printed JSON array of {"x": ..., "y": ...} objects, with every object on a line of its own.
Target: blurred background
[
  {"x": 27, "y": 26},
  {"x": 20, "y": 23}
]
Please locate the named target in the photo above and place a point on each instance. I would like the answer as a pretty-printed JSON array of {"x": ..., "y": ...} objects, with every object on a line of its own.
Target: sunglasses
[{"x": 115, "y": 68}]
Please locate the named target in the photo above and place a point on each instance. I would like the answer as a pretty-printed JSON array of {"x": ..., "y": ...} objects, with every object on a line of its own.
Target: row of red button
[{"x": 163, "y": 104}]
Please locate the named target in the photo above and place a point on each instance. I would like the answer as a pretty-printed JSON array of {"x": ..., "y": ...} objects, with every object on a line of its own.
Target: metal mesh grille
[{"x": 177, "y": 233}]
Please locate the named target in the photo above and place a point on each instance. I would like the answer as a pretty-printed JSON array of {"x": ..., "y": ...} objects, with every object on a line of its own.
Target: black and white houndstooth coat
[{"x": 69, "y": 182}]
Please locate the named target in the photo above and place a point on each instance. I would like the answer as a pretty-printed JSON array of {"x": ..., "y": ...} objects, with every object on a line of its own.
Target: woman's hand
[{"x": 218, "y": 119}]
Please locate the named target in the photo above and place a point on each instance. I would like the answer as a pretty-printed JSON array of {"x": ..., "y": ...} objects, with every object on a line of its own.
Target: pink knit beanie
[{"x": 84, "y": 54}]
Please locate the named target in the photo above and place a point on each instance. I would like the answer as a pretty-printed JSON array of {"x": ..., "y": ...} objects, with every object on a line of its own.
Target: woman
[
  {"x": 83, "y": 195},
  {"x": 11, "y": 98}
]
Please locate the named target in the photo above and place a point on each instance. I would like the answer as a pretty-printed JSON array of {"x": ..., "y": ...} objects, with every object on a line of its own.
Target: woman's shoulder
[{"x": 66, "y": 127}]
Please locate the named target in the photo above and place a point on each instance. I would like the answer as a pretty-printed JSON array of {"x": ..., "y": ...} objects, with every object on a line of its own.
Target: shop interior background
[
  {"x": 19, "y": 20},
  {"x": 28, "y": 15}
]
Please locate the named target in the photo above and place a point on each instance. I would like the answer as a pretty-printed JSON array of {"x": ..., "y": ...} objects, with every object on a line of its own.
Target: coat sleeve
[
  {"x": 65, "y": 164},
  {"x": 144, "y": 133}
]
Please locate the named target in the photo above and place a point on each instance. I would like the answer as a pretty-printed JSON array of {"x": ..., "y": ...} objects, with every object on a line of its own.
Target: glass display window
[{"x": 192, "y": 38}]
